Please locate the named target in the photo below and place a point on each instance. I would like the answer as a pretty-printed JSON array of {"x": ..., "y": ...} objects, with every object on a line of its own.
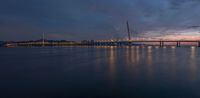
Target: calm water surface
[{"x": 132, "y": 72}]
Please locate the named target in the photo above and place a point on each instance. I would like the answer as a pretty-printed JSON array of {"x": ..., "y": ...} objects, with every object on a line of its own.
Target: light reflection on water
[
  {"x": 101, "y": 71},
  {"x": 149, "y": 63},
  {"x": 193, "y": 66},
  {"x": 156, "y": 64},
  {"x": 112, "y": 61}
]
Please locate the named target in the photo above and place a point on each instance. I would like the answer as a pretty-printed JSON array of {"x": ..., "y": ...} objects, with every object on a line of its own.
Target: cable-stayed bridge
[{"x": 128, "y": 42}]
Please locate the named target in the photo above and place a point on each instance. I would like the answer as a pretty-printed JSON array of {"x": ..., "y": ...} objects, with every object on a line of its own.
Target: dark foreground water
[{"x": 90, "y": 72}]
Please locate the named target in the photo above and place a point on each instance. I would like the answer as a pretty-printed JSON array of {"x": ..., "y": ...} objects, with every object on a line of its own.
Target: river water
[{"x": 100, "y": 72}]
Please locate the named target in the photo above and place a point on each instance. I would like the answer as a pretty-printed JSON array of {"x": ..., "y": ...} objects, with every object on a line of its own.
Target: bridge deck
[{"x": 155, "y": 41}]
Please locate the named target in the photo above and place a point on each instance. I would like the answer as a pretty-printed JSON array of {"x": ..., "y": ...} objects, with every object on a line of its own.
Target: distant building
[{"x": 87, "y": 42}]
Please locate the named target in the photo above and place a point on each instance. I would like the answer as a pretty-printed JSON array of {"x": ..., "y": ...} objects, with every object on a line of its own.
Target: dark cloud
[{"x": 95, "y": 19}]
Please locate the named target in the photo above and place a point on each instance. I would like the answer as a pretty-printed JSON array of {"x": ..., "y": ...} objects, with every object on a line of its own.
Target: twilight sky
[{"x": 99, "y": 19}]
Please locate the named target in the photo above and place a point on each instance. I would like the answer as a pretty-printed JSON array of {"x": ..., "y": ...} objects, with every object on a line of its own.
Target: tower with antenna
[{"x": 43, "y": 40}]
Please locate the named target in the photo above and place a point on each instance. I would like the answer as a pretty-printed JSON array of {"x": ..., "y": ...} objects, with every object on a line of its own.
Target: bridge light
[
  {"x": 173, "y": 47},
  {"x": 193, "y": 47},
  {"x": 149, "y": 47}
]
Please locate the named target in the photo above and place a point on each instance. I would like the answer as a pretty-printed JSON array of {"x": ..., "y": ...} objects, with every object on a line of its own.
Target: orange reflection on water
[
  {"x": 149, "y": 63},
  {"x": 112, "y": 61},
  {"x": 137, "y": 55},
  {"x": 149, "y": 56},
  {"x": 173, "y": 61},
  {"x": 128, "y": 58},
  {"x": 193, "y": 65},
  {"x": 98, "y": 60}
]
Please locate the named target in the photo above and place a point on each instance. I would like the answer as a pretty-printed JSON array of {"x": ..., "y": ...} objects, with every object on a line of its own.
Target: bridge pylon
[{"x": 128, "y": 31}]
